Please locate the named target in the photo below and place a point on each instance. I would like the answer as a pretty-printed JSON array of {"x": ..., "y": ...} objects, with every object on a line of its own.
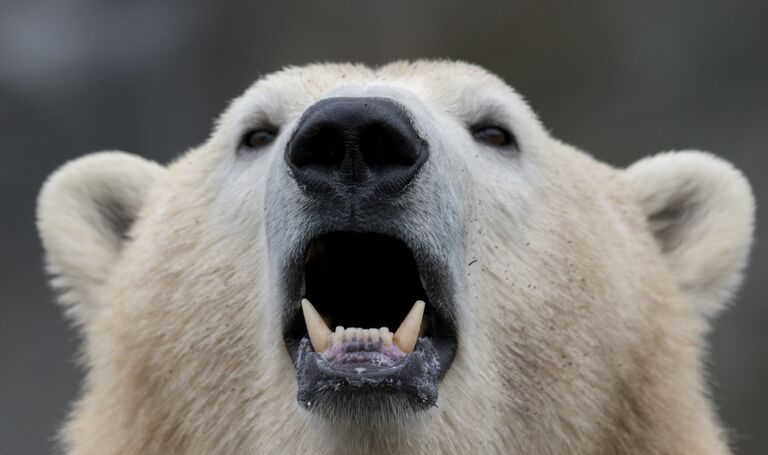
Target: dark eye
[
  {"x": 494, "y": 135},
  {"x": 259, "y": 137}
]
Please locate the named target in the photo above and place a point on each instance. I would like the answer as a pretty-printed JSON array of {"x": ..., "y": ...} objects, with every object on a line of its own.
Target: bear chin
[{"x": 349, "y": 393}]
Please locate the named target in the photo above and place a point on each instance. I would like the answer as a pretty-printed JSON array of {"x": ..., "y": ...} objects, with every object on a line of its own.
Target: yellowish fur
[{"x": 581, "y": 324}]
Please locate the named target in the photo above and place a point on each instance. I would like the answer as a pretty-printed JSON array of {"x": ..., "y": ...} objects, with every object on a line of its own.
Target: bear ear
[
  {"x": 700, "y": 209},
  {"x": 84, "y": 212}
]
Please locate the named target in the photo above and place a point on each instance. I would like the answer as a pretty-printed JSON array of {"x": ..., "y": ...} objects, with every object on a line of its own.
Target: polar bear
[{"x": 393, "y": 260}]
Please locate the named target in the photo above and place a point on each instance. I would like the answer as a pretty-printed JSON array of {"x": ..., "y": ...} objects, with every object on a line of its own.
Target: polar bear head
[{"x": 393, "y": 259}]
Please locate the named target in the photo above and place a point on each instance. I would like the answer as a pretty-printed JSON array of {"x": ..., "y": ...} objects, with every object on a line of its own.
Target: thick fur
[{"x": 581, "y": 319}]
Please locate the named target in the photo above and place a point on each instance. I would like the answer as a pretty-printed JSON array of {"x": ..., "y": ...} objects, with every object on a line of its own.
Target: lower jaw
[{"x": 368, "y": 392}]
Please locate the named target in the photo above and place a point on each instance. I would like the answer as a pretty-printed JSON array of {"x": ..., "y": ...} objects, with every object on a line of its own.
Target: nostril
[
  {"x": 382, "y": 146},
  {"x": 323, "y": 146}
]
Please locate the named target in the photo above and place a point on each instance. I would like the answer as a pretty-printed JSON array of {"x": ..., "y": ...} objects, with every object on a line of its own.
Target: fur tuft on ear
[
  {"x": 700, "y": 209},
  {"x": 84, "y": 212}
]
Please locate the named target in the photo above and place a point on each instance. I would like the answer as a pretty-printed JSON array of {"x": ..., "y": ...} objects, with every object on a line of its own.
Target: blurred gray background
[{"x": 618, "y": 79}]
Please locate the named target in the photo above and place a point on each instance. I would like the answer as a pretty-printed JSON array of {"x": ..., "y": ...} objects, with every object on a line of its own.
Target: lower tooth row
[
  {"x": 357, "y": 334},
  {"x": 404, "y": 338}
]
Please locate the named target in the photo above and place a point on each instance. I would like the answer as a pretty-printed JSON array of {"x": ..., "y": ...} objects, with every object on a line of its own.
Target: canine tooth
[
  {"x": 338, "y": 335},
  {"x": 373, "y": 335},
  {"x": 408, "y": 332},
  {"x": 386, "y": 336},
  {"x": 349, "y": 334},
  {"x": 319, "y": 333}
]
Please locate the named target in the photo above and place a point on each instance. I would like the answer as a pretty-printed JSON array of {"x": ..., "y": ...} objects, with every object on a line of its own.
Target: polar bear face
[
  {"x": 393, "y": 259},
  {"x": 368, "y": 212}
]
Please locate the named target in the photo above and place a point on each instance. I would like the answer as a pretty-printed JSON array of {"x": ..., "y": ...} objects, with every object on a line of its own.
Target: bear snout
[{"x": 355, "y": 147}]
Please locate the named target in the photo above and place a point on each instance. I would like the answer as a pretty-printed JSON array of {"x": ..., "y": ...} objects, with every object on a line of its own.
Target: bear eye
[
  {"x": 494, "y": 135},
  {"x": 259, "y": 137}
]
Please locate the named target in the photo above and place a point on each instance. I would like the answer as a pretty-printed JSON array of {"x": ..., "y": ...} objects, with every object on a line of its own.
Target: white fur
[
  {"x": 709, "y": 230},
  {"x": 74, "y": 221},
  {"x": 576, "y": 331}
]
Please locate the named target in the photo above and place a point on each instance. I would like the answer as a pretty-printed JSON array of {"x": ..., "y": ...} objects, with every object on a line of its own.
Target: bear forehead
[
  {"x": 456, "y": 86},
  {"x": 436, "y": 73},
  {"x": 463, "y": 91}
]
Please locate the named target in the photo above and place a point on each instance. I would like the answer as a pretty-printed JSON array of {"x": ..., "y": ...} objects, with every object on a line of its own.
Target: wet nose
[{"x": 361, "y": 145}]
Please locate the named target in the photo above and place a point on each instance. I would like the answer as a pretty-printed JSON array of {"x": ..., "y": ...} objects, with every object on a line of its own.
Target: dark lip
[
  {"x": 412, "y": 383},
  {"x": 315, "y": 376}
]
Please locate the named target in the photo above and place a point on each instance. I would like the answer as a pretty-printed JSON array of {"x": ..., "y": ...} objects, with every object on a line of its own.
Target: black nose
[{"x": 366, "y": 146}]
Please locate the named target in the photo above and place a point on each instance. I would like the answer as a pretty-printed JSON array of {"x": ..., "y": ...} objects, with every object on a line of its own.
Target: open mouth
[{"x": 375, "y": 323}]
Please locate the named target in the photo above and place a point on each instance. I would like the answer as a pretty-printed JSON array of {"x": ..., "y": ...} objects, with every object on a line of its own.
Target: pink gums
[{"x": 363, "y": 352}]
